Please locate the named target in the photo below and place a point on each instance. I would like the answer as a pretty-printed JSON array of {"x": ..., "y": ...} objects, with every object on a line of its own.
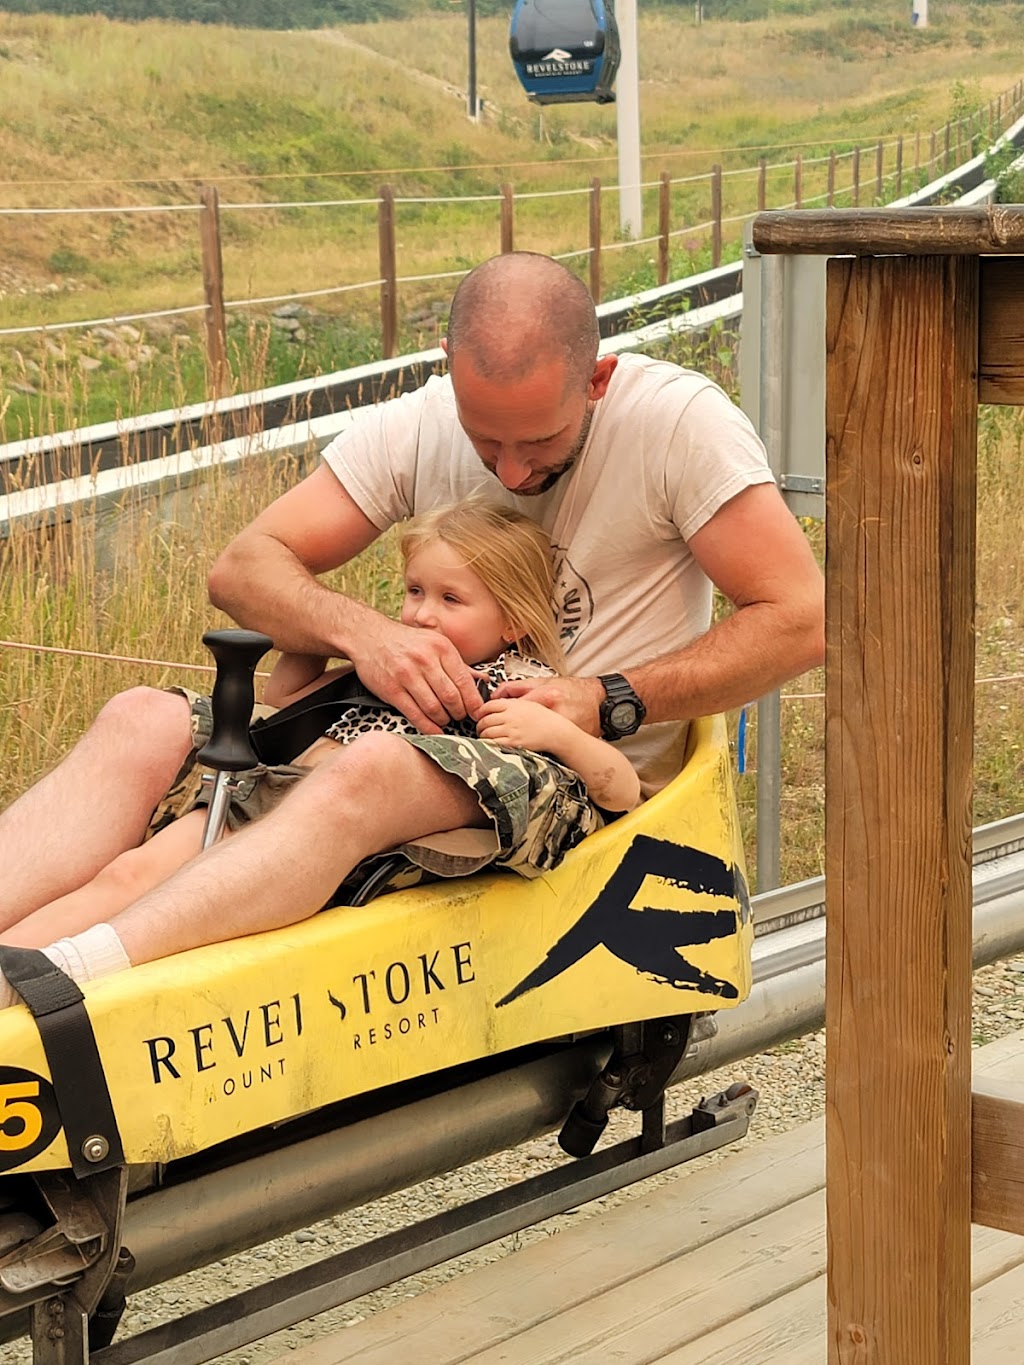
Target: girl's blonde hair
[{"x": 512, "y": 557}]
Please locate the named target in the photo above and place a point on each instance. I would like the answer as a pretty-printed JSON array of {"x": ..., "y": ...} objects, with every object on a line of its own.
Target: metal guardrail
[
  {"x": 108, "y": 445},
  {"x": 91, "y": 463}
]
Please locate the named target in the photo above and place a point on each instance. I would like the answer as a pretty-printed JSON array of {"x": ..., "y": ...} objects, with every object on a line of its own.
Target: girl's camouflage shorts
[{"x": 538, "y": 808}]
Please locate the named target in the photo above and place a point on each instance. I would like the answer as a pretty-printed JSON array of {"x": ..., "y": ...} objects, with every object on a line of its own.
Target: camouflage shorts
[
  {"x": 538, "y": 808},
  {"x": 187, "y": 790}
]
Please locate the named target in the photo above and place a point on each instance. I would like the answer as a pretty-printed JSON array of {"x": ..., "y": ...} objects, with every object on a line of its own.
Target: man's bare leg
[
  {"x": 94, "y": 804},
  {"x": 114, "y": 888},
  {"x": 373, "y": 795}
]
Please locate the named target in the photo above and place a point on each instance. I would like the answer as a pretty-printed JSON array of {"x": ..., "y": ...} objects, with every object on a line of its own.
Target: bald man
[{"x": 653, "y": 487}]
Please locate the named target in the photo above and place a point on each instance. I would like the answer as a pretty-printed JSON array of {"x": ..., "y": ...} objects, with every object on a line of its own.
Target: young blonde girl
[{"x": 482, "y": 577}]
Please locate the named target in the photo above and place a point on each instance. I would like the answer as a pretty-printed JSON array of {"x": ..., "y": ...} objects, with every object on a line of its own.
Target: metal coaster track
[{"x": 342, "y": 1158}]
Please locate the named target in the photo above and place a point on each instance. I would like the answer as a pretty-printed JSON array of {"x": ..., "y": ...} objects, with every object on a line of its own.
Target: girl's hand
[
  {"x": 522, "y": 724},
  {"x": 578, "y": 699}
]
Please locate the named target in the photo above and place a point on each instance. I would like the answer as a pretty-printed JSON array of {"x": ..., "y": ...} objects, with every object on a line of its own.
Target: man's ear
[
  {"x": 600, "y": 379},
  {"x": 444, "y": 345}
]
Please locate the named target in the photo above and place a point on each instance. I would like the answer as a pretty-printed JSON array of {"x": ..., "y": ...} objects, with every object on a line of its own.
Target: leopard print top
[{"x": 361, "y": 720}]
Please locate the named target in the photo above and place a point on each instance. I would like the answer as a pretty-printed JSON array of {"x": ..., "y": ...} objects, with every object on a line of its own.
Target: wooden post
[
  {"x": 879, "y": 163},
  {"x": 218, "y": 375},
  {"x": 946, "y": 148},
  {"x": 999, "y": 112},
  {"x": 830, "y": 197},
  {"x": 762, "y": 185},
  {"x": 595, "y": 239},
  {"x": 856, "y": 177},
  {"x": 507, "y": 219},
  {"x": 664, "y": 217},
  {"x": 900, "y": 539},
  {"x": 716, "y": 215},
  {"x": 899, "y": 167},
  {"x": 798, "y": 187},
  {"x": 933, "y": 154},
  {"x": 388, "y": 272},
  {"x": 992, "y": 120}
]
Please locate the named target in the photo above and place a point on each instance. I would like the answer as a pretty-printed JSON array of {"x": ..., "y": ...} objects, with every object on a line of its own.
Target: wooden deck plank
[
  {"x": 683, "y": 1300},
  {"x": 589, "y": 1260},
  {"x": 998, "y": 1317},
  {"x": 684, "y": 1275},
  {"x": 791, "y": 1329},
  {"x": 1002, "y": 1060}
]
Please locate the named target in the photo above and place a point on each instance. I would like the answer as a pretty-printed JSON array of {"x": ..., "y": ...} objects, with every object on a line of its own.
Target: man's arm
[
  {"x": 266, "y": 580},
  {"x": 753, "y": 550}
]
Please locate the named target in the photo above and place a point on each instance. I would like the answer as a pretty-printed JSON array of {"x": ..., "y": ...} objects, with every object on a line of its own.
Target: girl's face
[{"x": 443, "y": 593}]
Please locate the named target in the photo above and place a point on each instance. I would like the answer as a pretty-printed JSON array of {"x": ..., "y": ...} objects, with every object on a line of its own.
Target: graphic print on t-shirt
[{"x": 574, "y": 602}]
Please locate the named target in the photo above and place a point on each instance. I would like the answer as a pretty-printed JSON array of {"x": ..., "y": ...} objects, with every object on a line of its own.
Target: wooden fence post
[
  {"x": 831, "y": 195},
  {"x": 879, "y": 163},
  {"x": 507, "y": 219},
  {"x": 999, "y": 112},
  {"x": 595, "y": 239},
  {"x": 933, "y": 154},
  {"x": 946, "y": 148},
  {"x": 856, "y": 176},
  {"x": 899, "y": 167},
  {"x": 388, "y": 272},
  {"x": 218, "y": 375},
  {"x": 716, "y": 215},
  {"x": 762, "y": 185},
  {"x": 664, "y": 215},
  {"x": 798, "y": 180}
]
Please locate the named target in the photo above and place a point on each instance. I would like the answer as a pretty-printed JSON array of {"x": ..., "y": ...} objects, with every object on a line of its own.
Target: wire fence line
[
  {"x": 143, "y": 662},
  {"x": 847, "y": 176}
]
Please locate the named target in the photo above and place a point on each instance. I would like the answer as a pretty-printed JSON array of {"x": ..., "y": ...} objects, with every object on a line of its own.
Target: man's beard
[{"x": 553, "y": 475}]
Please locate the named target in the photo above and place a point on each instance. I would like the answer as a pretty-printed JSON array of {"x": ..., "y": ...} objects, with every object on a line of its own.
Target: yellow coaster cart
[{"x": 210, "y": 1101}]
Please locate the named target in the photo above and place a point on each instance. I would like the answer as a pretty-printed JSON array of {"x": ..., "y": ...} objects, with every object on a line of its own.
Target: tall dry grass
[{"x": 133, "y": 584}]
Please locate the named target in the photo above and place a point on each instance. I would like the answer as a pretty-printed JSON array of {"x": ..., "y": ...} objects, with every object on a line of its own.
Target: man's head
[{"x": 522, "y": 353}]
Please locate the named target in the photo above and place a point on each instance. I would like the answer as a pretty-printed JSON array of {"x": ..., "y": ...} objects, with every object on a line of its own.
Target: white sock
[{"x": 89, "y": 955}]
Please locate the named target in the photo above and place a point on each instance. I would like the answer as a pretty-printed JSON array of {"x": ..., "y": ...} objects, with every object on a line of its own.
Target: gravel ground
[{"x": 791, "y": 1081}]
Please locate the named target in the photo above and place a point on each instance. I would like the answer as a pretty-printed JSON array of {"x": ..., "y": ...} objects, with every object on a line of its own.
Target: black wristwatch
[{"x": 622, "y": 712}]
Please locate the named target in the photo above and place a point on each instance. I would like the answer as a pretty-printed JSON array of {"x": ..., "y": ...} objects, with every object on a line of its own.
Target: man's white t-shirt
[{"x": 666, "y": 449}]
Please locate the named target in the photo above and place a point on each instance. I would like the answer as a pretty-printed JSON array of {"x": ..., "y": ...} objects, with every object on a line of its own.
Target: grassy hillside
[{"x": 101, "y": 113}]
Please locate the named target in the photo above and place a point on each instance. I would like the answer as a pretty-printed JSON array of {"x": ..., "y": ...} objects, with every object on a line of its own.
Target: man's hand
[
  {"x": 523, "y": 724},
  {"x": 578, "y": 699},
  {"x": 417, "y": 671}
]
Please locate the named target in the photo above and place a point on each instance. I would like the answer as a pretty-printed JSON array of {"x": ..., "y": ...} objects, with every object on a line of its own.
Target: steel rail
[{"x": 41, "y": 460}]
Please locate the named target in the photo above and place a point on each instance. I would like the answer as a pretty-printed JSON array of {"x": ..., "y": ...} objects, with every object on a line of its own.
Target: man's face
[{"x": 528, "y": 432}]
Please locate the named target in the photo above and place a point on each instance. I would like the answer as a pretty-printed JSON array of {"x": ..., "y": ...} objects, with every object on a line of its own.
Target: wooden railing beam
[{"x": 997, "y": 1155}]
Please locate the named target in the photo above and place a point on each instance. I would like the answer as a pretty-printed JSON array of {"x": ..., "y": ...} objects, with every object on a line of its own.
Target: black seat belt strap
[{"x": 79, "y": 1085}]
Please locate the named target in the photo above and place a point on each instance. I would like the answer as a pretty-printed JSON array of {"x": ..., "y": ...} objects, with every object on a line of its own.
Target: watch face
[{"x": 622, "y": 715}]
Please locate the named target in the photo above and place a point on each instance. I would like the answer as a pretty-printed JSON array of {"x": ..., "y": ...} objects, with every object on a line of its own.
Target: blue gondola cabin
[{"x": 565, "y": 50}]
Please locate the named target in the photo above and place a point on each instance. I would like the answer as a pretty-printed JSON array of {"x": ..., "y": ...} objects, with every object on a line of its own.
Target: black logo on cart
[
  {"x": 29, "y": 1118},
  {"x": 652, "y": 940}
]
